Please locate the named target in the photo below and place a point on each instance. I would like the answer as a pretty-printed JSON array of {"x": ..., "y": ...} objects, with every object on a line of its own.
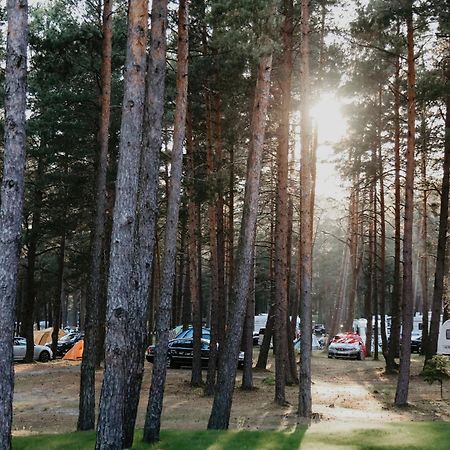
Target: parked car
[
  {"x": 347, "y": 345},
  {"x": 41, "y": 352},
  {"x": 66, "y": 342},
  {"x": 315, "y": 344},
  {"x": 189, "y": 333},
  {"x": 416, "y": 342},
  {"x": 319, "y": 329},
  {"x": 181, "y": 353}
]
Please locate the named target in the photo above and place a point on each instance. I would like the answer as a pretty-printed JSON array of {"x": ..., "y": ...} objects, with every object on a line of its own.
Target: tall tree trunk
[
  {"x": 121, "y": 276},
  {"x": 11, "y": 205},
  {"x": 441, "y": 262},
  {"x": 306, "y": 219},
  {"x": 153, "y": 418},
  {"x": 86, "y": 416},
  {"x": 282, "y": 211},
  {"x": 193, "y": 242},
  {"x": 401, "y": 394},
  {"x": 391, "y": 365},
  {"x": 220, "y": 413},
  {"x": 382, "y": 245},
  {"x": 148, "y": 208},
  {"x": 214, "y": 262},
  {"x": 424, "y": 240},
  {"x": 59, "y": 288},
  {"x": 30, "y": 297}
]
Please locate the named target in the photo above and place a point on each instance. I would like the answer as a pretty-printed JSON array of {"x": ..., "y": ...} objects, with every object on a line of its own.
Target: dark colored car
[
  {"x": 181, "y": 353},
  {"x": 416, "y": 343},
  {"x": 189, "y": 333},
  {"x": 66, "y": 342}
]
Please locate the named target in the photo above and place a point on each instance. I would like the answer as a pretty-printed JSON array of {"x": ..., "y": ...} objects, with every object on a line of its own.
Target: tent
[
  {"x": 76, "y": 352},
  {"x": 41, "y": 337},
  {"x": 443, "y": 347}
]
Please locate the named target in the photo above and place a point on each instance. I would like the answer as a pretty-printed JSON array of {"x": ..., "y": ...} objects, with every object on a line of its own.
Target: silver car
[{"x": 41, "y": 352}]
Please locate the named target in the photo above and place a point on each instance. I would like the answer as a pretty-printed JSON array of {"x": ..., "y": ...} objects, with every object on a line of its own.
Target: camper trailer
[{"x": 444, "y": 339}]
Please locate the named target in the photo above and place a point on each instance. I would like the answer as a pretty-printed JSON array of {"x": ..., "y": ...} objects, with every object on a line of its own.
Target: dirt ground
[{"x": 354, "y": 393}]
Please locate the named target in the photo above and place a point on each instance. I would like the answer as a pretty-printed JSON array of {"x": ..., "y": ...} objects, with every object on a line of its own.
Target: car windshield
[{"x": 67, "y": 337}]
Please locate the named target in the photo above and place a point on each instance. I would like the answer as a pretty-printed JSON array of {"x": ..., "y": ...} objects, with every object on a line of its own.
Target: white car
[{"x": 41, "y": 352}]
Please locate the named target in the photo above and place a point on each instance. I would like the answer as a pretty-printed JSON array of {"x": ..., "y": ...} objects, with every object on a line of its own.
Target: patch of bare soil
[{"x": 354, "y": 393}]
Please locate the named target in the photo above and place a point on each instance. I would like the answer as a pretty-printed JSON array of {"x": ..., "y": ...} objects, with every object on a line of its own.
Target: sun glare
[{"x": 327, "y": 115}]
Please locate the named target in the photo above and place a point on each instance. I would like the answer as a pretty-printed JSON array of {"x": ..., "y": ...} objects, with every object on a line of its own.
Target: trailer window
[{"x": 447, "y": 334}]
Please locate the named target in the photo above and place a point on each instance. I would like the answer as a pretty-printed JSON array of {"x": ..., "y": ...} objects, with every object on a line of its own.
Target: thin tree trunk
[
  {"x": 86, "y": 416},
  {"x": 11, "y": 205},
  {"x": 282, "y": 211},
  {"x": 214, "y": 262},
  {"x": 121, "y": 276},
  {"x": 401, "y": 394},
  {"x": 193, "y": 240},
  {"x": 265, "y": 345},
  {"x": 382, "y": 246},
  {"x": 424, "y": 241},
  {"x": 59, "y": 288},
  {"x": 306, "y": 219},
  {"x": 30, "y": 298},
  {"x": 153, "y": 418},
  {"x": 220, "y": 413},
  {"x": 247, "y": 340}
]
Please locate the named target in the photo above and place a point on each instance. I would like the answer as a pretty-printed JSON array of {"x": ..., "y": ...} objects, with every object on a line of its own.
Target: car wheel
[
  {"x": 361, "y": 356},
  {"x": 329, "y": 356},
  {"x": 44, "y": 356}
]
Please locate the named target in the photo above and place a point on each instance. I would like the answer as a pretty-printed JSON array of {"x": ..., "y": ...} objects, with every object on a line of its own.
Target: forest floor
[{"x": 346, "y": 394}]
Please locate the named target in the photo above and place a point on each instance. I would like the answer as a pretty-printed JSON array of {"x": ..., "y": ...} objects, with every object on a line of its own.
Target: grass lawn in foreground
[{"x": 400, "y": 436}]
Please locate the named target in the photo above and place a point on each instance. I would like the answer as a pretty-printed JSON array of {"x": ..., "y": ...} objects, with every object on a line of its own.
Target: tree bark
[
  {"x": 148, "y": 210},
  {"x": 86, "y": 416},
  {"x": 306, "y": 220},
  {"x": 220, "y": 413},
  {"x": 193, "y": 240},
  {"x": 11, "y": 206},
  {"x": 401, "y": 394},
  {"x": 282, "y": 211},
  {"x": 122, "y": 280},
  {"x": 153, "y": 418},
  {"x": 33, "y": 237}
]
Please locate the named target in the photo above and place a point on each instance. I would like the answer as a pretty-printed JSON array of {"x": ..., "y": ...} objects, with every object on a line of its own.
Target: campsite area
[{"x": 346, "y": 394}]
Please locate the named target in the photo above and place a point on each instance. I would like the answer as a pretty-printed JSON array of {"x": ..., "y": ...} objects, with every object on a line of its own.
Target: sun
[{"x": 327, "y": 115}]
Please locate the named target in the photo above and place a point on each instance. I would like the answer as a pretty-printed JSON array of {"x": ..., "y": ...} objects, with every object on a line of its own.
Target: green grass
[
  {"x": 173, "y": 440},
  {"x": 399, "y": 436}
]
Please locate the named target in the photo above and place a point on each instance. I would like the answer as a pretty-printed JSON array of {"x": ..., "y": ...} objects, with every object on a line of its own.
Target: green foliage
[{"x": 436, "y": 369}]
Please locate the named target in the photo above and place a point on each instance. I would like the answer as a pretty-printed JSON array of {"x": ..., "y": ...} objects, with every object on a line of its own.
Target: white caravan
[{"x": 443, "y": 347}]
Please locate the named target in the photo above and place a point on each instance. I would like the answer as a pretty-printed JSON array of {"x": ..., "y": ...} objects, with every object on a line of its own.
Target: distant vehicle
[
  {"x": 347, "y": 345},
  {"x": 41, "y": 352},
  {"x": 319, "y": 328},
  {"x": 416, "y": 342},
  {"x": 66, "y": 342},
  {"x": 189, "y": 333},
  {"x": 315, "y": 344},
  {"x": 181, "y": 353}
]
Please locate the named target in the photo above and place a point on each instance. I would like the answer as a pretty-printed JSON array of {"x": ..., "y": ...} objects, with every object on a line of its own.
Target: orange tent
[
  {"x": 41, "y": 337},
  {"x": 76, "y": 352}
]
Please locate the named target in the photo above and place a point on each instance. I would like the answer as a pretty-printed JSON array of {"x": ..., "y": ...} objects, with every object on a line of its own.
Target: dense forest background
[{"x": 355, "y": 60}]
